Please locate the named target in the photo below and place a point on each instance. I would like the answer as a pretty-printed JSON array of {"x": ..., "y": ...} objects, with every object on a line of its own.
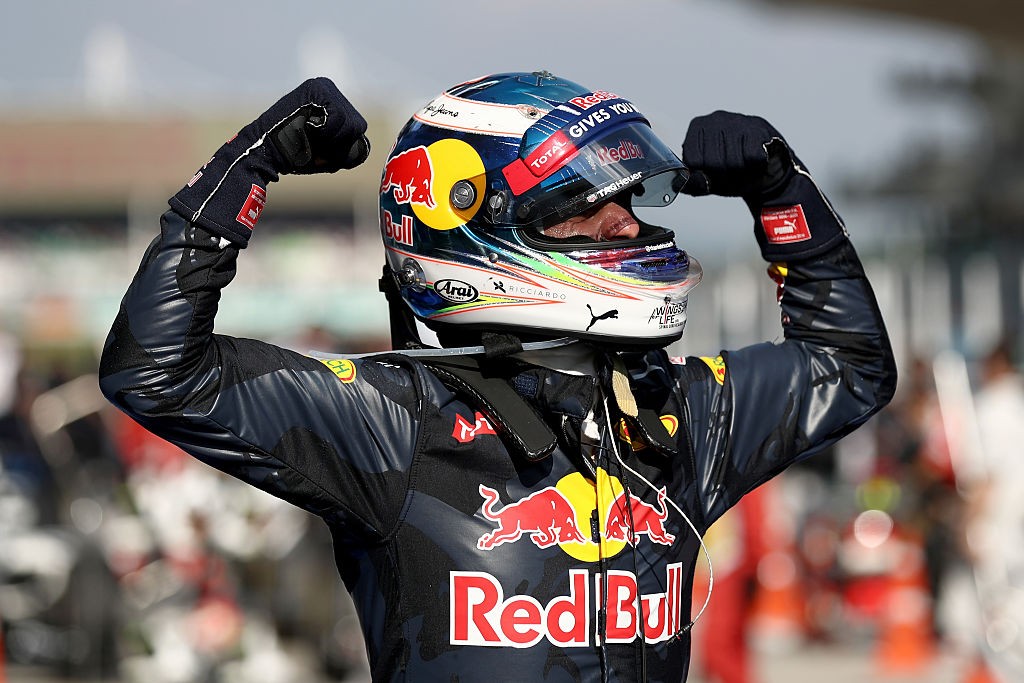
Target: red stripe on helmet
[{"x": 546, "y": 159}]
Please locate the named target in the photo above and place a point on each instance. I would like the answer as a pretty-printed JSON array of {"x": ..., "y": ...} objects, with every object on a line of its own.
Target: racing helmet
[{"x": 476, "y": 176}]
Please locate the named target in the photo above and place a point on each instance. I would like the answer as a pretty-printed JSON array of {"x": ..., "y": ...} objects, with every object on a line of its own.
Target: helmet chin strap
[
  {"x": 406, "y": 340},
  {"x": 457, "y": 351},
  {"x": 404, "y": 333},
  {"x": 500, "y": 345}
]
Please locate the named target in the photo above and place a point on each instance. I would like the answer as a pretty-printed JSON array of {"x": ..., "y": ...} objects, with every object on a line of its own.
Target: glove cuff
[
  {"x": 795, "y": 221},
  {"x": 227, "y": 195}
]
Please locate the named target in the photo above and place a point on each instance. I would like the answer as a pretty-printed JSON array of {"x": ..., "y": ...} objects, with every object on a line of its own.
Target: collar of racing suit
[
  {"x": 573, "y": 359},
  {"x": 537, "y": 398}
]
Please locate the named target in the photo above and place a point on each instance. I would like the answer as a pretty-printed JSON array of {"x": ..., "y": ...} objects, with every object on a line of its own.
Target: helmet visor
[{"x": 560, "y": 178}]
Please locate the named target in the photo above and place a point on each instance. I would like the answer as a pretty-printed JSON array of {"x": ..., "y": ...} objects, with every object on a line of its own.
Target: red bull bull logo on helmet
[
  {"x": 409, "y": 175},
  {"x": 586, "y": 519},
  {"x": 402, "y": 232}
]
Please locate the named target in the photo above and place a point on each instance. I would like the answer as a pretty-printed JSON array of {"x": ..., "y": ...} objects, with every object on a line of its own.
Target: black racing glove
[
  {"x": 312, "y": 129},
  {"x": 735, "y": 155}
]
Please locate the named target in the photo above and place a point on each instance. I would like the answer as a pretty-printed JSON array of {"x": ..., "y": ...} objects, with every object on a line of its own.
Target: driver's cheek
[
  {"x": 573, "y": 227},
  {"x": 606, "y": 222}
]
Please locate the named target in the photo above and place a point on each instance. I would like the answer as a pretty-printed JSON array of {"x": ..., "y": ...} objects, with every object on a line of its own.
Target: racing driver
[{"x": 517, "y": 491}]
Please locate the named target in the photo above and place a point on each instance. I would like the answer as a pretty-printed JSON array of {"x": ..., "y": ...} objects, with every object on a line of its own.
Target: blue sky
[{"x": 825, "y": 79}]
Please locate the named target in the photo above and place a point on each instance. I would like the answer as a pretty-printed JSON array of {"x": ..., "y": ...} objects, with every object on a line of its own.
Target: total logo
[
  {"x": 587, "y": 519},
  {"x": 551, "y": 155}
]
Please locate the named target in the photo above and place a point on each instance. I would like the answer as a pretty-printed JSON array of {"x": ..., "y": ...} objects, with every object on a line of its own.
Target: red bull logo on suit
[
  {"x": 630, "y": 517},
  {"x": 586, "y": 519},
  {"x": 545, "y": 517},
  {"x": 481, "y": 615}
]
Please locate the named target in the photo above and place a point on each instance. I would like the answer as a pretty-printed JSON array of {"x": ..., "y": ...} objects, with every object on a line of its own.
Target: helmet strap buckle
[{"x": 498, "y": 345}]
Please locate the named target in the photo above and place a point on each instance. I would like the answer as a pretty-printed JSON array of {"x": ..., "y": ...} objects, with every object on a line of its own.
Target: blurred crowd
[
  {"x": 906, "y": 539},
  {"x": 125, "y": 560}
]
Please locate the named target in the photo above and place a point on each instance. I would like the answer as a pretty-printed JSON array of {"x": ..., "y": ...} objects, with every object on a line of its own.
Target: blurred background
[{"x": 894, "y": 557}]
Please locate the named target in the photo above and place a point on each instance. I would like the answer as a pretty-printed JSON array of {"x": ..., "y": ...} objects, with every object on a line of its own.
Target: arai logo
[{"x": 456, "y": 291}]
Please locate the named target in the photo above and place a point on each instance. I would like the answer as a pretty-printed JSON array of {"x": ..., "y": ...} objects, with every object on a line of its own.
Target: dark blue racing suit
[{"x": 466, "y": 560}]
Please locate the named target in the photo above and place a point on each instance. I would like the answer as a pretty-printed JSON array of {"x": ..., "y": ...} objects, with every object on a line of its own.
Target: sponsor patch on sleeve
[
  {"x": 784, "y": 224},
  {"x": 717, "y": 365},
  {"x": 342, "y": 367},
  {"x": 252, "y": 209}
]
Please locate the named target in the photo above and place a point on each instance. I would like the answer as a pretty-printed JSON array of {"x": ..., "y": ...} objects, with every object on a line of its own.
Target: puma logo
[{"x": 614, "y": 313}]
